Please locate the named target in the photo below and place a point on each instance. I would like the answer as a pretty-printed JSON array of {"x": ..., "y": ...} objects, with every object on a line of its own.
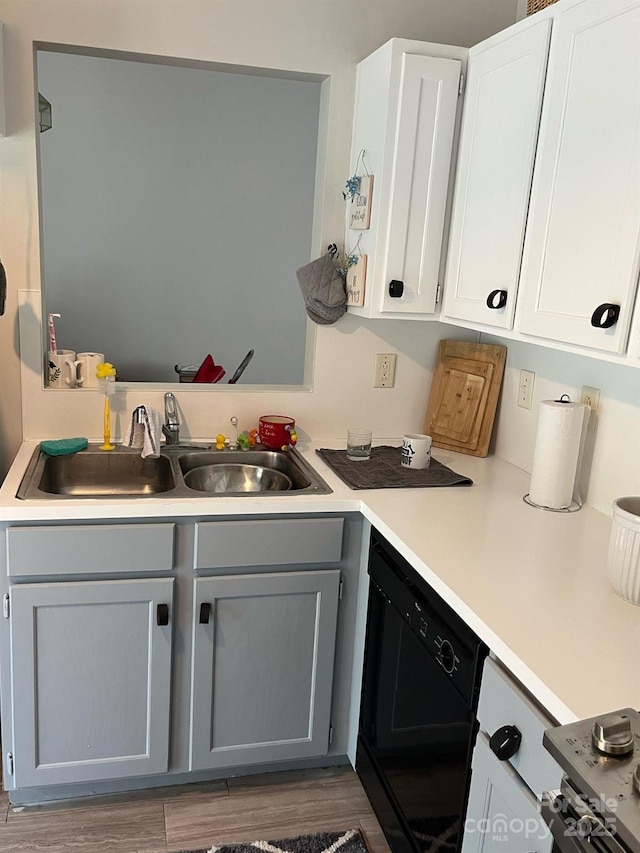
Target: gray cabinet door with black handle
[
  {"x": 502, "y": 814},
  {"x": 91, "y": 671},
  {"x": 263, "y": 649}
]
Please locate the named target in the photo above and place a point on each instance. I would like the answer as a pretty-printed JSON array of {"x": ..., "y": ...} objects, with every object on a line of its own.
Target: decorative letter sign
[{"x": 360, "y": 213}]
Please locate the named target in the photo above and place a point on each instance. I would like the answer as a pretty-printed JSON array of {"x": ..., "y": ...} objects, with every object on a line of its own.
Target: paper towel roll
[{"x": 557, "y": 453}]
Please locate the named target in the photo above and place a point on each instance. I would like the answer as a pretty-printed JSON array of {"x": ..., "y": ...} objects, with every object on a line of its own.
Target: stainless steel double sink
[{"x": 180, "y": 471}]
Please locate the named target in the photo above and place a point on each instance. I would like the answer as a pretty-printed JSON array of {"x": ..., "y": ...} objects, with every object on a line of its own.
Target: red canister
[{"x": 276, "y": 431}]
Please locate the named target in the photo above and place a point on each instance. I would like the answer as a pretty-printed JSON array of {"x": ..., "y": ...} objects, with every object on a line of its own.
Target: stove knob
[
  {"x": 588, "y": 826},
  {"x": 636, "y": 779},
  {"x": 447, "y": 657},
  {"x": 612, "y": 735}
]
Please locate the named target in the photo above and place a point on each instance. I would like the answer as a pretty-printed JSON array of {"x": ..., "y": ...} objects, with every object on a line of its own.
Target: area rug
[
  {"x": 437, "y": 835},
  {"x": 346, "y": 841}
]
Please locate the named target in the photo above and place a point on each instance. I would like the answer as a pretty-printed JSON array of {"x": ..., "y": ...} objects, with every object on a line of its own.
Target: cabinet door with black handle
[
  {"x": 263, "y": 647},
  {"x": 580, "y": 262},
  {"x": 91, "y": 679},
  {"x": 503, "y": 100},
  {"x": 502, "y": 813}
]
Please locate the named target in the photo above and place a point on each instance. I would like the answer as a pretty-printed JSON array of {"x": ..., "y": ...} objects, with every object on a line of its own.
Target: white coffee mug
[
  {"x": 61, "y": 369},
  {"x": 85, "y": 368},
  {"x": 416, "y": 451}
]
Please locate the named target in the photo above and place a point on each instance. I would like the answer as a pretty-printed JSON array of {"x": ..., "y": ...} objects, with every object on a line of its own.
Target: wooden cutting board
[{"x": 464, "y": 396}]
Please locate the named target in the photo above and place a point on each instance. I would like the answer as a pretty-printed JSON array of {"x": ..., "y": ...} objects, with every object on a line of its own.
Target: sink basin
[
  {"x": 236, "y": 478},
  {"x": 275, "y": 461},
  {"x": 179, "y": 472},
  {"x": 94, "y": 473}
]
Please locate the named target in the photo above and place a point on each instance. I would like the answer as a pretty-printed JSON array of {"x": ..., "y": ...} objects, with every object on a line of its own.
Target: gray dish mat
[{"x": 383, "y": 471}]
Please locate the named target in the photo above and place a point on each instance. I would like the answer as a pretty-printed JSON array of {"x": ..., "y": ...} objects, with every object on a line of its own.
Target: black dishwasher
[{"x": 420, "y": 690}]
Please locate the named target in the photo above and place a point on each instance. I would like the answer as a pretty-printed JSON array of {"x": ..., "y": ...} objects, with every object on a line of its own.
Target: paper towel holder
[{"x": 575, "y": 504}]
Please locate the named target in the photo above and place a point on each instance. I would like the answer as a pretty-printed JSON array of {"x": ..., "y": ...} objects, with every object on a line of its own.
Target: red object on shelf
[{"x": 209, "y": 371}]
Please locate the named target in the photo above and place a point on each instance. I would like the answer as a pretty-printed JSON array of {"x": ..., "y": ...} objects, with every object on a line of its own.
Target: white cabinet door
[
  {"x": 405, "y": 116},
  {"x": 503, "y": 100},
  {"x": 91, "y": 678},
  {"x": 581, "y": 258},
  {"x": 501, "y": 812},
  {"x": 424, "y": 140},
  {"x": 634, "y": 339},
  {"x": 262, "y": 667}
]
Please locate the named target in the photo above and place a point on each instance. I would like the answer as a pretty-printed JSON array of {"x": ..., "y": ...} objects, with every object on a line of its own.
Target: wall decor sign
[
  {"x": 355, "y": 281},
  {"x": 360, "y": 212}
]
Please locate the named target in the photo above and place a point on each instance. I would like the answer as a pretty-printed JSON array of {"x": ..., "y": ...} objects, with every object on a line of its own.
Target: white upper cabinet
[
  {"x": 503, "y": 101},
  {"x": 406, "y": 105},
  {"x": 581, "y": 256},
  {"x": 634, "y": 339}
]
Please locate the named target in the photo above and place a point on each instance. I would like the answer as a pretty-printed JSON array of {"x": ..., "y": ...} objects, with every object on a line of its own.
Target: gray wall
[{"x": 177, "y": 204}]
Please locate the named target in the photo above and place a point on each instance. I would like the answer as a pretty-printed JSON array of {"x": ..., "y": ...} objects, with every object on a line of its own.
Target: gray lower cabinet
[
  {"x": 263, "y": 650},
  {"x": 502, "y": 814},
  {"x": 90, "y": 673},
  {"x": 503, "y": 810}
]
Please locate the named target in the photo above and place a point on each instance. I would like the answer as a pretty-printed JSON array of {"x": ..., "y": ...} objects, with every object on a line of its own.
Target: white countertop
[{"x": 531, "y": 583}]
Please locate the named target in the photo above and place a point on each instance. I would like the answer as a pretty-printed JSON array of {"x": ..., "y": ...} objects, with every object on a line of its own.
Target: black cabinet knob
[
  {"x": 605, "y": 316},
  {"x": 497, "y": 299},
  {"x": 396, "y": 288},
  {"x": 205, "y": 612},
  {"x": 505, "y": 742},
  {"x": 162, "y": 614}
]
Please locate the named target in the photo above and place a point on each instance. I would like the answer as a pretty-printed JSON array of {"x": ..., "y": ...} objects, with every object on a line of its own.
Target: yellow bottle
[{"x": 106, "y": 373}]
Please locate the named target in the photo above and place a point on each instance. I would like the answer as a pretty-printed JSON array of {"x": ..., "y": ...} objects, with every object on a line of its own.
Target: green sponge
[{"x": 62, "y": 446}]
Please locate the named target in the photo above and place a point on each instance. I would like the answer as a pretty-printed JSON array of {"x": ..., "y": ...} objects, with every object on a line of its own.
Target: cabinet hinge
[
  {"x": 340, "y": 588},
  {"x": 438, "y": 291},
  {"x": 10, "y": 763},
  {"x": 461, "y": 84},
  {"x": 6, "y": 607},
  {"x": 330, "y": 734}
]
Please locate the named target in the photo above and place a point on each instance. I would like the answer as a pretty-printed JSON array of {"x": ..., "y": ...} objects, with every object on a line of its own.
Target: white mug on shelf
[
  {"x": 61, "y": 369},
  {"x": 85, "y": 367}
]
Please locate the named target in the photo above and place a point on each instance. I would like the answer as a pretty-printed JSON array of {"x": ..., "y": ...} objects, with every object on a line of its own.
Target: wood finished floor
[{"x": 274, "y": 805}]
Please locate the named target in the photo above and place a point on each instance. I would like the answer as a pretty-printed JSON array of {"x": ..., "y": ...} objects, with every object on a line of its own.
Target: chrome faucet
[{"x": 171, "y": 425}]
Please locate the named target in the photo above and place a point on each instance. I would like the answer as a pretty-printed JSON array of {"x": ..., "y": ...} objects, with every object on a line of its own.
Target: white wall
[
  {"x": 326, "y": 37},
  {"x": 611, "y": 464}
]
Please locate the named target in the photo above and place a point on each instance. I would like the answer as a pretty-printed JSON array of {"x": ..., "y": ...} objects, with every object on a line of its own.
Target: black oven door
[{"x": 416, "y": 735}]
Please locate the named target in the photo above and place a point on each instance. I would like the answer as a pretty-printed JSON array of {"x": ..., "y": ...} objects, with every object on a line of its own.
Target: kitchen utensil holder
[{"x": 623, "y": 563}]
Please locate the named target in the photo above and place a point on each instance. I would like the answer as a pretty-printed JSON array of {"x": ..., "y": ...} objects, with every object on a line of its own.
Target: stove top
[{"x": 601, "y": 757}]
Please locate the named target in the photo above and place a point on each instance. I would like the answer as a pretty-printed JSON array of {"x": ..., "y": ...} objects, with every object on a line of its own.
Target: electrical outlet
[
  {"x": 385, "y": 370},
  {"x": 525, "y": 389},
  {"x": 590, "y": 397}
]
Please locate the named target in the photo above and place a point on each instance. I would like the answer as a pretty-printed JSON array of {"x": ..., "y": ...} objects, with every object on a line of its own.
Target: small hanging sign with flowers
[
  {"x": 356, "y": 277},
  {"x": 359, "y": 189},
  {"x": 353, "y": 269}
]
